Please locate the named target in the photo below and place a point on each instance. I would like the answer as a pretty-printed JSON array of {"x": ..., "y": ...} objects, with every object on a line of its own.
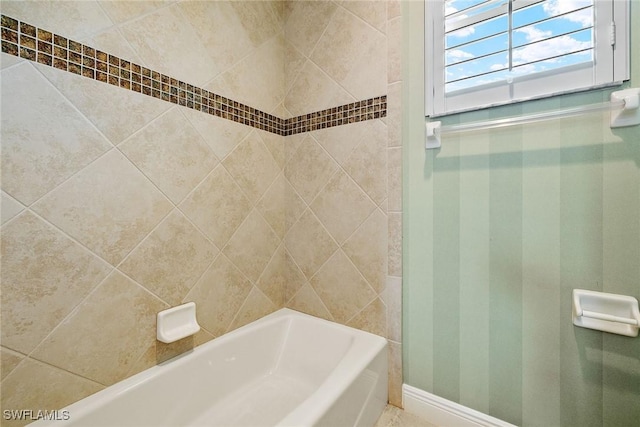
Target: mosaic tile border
[{"x": 35, "y": 44}]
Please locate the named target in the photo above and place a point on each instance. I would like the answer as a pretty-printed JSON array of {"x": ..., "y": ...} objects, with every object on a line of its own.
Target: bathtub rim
[{"x": 364, "y": 348}]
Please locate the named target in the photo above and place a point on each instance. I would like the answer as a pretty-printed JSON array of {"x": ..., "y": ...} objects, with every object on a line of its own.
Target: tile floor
[{"x": 396, "y": 417}]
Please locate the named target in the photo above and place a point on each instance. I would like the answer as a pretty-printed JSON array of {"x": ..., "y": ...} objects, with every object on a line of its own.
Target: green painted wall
[{"x": 499, "y": 227}]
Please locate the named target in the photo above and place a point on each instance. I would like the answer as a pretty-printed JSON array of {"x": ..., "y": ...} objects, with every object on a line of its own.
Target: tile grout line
[{"x": 26, "y": 41}]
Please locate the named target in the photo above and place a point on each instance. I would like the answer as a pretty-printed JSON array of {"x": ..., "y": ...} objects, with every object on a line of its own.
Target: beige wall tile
[
  {"x": 353, "y": 54},
  {"x": 275, "y": 144},
  {"x": 122, "y": 11},
  {"x": 394, "y": 9},
  {"x": 118, "y": 114},
  {"x": 292, "y": 145},
  {"x": 342, "y": 206},
  {"x": 394, "y": 180},
  {"x": 109, "y": 207},
  {"x": 252, "y": 246},
  {"x": 219, "y": 294},
  {"x": 44, "y": 139},
  {"x": 294, "y": 206},
  {"x": 367, "y": 249},
  {"x": 306, "y": 21},
  {"x": 229, "y": 41},
  {"x": 342, "y": 288},
  {"x": 222, "y": 135},
  {"x": 395, "y": 373},
  {"x": 165, "y": 50},
  {"x": 313, "y": 90},
  {"x": 252, "y": 166},
  {"x": 171, "y": 154},
  {"x": 44, "y": 276},
  {"x": 309, "y": 243},
  {"x": 374, "y": 12},
  {"x": 256, "y": 305},
  {"x": 261, "y": 20},
  {"x": 295, "y": 276},
  {"x": 394, "y": 43},
  {"x": 273, "y": 280},
  {"x": 9, "y": 207},
  {"x": 272, "y": 206},
  {"x": 160, "y": 352},
  {"x": 109, "y": 332},
  {"x": 395, "y": 244},
  {"x": 310, "y": 169},
  {"x": 8, "y": 361},
  {"x": 393, "y": 301},
  {"x": 372, "y": 318},
  {"x": 394, "y": 114},
  {"x": 171, "y": 259},
  {"x": 217, "y": 206},
  {"x": 293, "y": 63},
  {"x": 340, "y": 141},
  {"x": 257, "y": 79},
  {"x": 306, "y": 300},
  {"x": 37, "y": 386},
  {"x": 367, "y": 163},
  {"x": 7, "y": 60}
]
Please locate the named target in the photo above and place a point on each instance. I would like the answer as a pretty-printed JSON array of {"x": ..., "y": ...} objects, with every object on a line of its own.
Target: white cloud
[
  {"x": 533, "y": 34},
  {"x": 548, "y": 48},
  {"x": 458, "y": 55},
  {"x": 556, "y": 7},
  {"x": 463, "y": 32}
]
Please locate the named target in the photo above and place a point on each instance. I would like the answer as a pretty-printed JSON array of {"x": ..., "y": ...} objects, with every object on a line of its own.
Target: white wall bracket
[
  {"x": 617, "y": 314},
  {"x": 433, "y": 135},
  {"x": 629, "y": 115},
  {"x": 176, "y": 323}
]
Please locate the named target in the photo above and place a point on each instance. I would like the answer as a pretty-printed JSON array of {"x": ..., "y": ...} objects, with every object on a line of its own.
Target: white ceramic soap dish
[{"x": 177, "y": 322}]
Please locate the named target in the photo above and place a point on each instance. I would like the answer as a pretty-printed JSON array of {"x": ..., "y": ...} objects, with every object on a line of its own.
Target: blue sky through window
[{"x": 546, "y": 35}]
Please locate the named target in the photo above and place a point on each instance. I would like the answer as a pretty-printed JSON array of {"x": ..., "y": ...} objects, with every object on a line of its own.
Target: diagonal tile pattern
[
  {"x": 217, "y": 206},
  {"x": 39, "y": 151},
  {"x": 104, "y": 357},
  {"x": 109, "y": 207},
  {"x": 171, "y": 259},
  {"x": 41, "y": 267},
  {"x": 171, "y": 154}
]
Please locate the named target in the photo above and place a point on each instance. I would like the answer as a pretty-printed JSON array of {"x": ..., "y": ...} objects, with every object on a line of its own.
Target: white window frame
[{"x": 610, "y": 67}]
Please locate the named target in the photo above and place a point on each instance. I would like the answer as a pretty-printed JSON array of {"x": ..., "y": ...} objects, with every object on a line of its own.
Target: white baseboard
[{"x": 445, "y": 413}]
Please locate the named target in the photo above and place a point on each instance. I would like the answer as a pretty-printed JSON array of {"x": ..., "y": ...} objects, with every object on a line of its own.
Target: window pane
[
  {"x": 498, "y": 76},
  {"x": 453, "y": 6},
  {"x": 476, "y": 67},
  {"x": 475, "y": 32},
  {"x": 554, "y": 47},
  {"x": 550, "y": 28},
  {"x": 476, "y": 49}
]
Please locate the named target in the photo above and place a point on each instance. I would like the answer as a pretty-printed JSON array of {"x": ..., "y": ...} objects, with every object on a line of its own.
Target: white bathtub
[{"x": 286, "y": 369}]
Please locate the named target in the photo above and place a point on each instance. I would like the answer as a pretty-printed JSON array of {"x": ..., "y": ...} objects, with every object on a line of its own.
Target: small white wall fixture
[
  {"x": 613, "y": 313},
  {"x": 176, "y": 323},
  {"x": 630, "y": 114}
]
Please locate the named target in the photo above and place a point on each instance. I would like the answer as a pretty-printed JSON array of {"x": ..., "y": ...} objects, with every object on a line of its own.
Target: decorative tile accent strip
[
  {"x": 368, "y": 109},
  {"x": 38, "y": 45}
]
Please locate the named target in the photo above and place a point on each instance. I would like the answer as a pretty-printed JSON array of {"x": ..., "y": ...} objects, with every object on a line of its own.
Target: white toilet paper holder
[{"x": 617, "y": 314}]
